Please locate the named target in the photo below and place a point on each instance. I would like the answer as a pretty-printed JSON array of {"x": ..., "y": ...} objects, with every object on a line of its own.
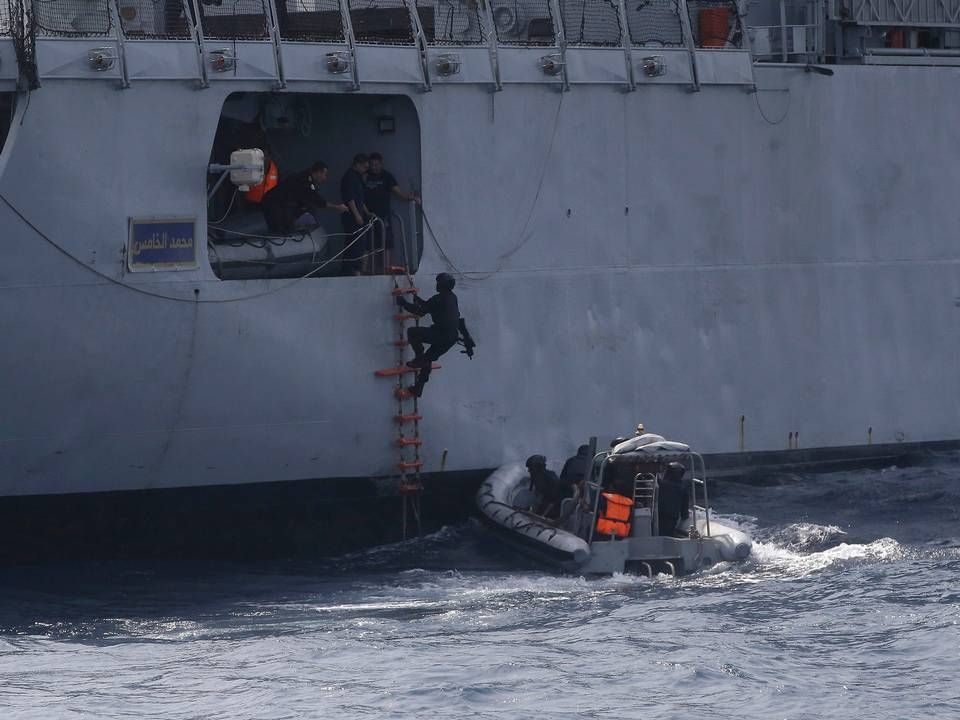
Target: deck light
[
  {"x": 338, "y": 62},
  {"x": 551, "y": 64},
  {"x": 448, "y": 64},
  {"x": 654, "y": 66},
  {"x": 222, "y": 60},
  {"x": 101, "y": 58}
]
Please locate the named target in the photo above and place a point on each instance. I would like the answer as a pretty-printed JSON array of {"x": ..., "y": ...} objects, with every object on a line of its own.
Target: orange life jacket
[
  {"x": 270, "y": 180},
  {"x": 615, "y": 515}
]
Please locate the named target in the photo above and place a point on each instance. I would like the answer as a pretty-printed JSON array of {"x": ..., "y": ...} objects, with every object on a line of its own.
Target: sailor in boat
[
  {"x": 550, "y": 491},
  {"x": 575, "y": 468},
  {"x": 673, "y": 506}
]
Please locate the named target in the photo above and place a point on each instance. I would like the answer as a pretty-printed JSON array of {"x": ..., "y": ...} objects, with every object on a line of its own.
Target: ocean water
[{"x": 848, "y": 608}]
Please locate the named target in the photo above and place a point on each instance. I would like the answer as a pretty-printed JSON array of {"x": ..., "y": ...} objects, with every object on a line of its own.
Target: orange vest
[
  {"x": 615, "y": 512},
  {"x": 270, "y": 179}
]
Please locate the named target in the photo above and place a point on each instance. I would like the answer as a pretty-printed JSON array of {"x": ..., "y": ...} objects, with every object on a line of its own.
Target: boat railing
[{"x": 698, "y": 488}]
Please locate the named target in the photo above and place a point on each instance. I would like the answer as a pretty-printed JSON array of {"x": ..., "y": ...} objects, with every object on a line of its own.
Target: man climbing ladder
[{"x": 444, "y": 309}]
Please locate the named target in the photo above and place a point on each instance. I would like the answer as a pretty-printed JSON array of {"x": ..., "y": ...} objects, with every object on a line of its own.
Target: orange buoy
[
  {"x": 270, "y": 180},
  {"x": 714, "y": 26}
]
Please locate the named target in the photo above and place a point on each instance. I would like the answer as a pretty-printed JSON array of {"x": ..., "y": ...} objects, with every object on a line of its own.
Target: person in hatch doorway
[
  {"x": 295, "y": 195},
  {"x": 379, "y": 186},
  {"x": 356, "y": 215},
  {"x": 444, "y": 309}
]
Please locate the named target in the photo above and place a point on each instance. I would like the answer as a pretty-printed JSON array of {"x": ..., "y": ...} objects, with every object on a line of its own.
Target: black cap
[{"x": 536, "y": 461}]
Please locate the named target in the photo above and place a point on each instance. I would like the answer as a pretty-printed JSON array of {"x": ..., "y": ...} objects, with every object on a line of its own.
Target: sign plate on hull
[{"x": 162, "y": 244}]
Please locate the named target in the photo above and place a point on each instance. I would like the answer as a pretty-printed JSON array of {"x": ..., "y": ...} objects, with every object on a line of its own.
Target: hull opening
[{"x": 278, "y": 229}]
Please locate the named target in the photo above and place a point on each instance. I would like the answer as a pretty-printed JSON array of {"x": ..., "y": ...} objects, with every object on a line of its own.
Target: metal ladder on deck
[
  {"x": 407, "y": 417},
  {"x": 645, "y": 495}
]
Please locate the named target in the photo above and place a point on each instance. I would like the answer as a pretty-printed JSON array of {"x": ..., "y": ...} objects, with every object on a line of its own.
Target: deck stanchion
[
  {"x": 492, "y": 44},
  {"x": 121, "y": 46},
  {"x": 627, "y": 44},
  {"x": 691, "y": 45}
]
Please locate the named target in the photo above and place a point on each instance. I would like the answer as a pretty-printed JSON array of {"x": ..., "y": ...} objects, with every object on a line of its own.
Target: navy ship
[{"x": 736, "y": 221}]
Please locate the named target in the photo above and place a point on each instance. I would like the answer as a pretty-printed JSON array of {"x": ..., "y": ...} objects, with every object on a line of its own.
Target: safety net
[
  {"x": 655, "y": 22},
  {"x": 452, "y": 22},
  {"x": 591, "y": 22},
  {"x": 71, "y": 18},
  {"x": 715, "y": 23},
  {"x": 154, "y": 19},
  {"x": 234, "y": 19},
  {"x": 5, "y": 13},
  {"x": 310, "y": 20},
  {"x": 381, "y": 22},
  {"x": 523, "y": 22}
]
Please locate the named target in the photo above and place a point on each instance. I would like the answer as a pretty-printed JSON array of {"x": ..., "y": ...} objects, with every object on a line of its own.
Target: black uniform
[
  {"x": 351, "y": 188},
  {"x": 291, "y": 198},
  {"x": 377, "y": 189},
  {"x": 444, "y": 309},
  {"x": 673, "y": 503},
  {"x": 551, "y": 492},
  {"x": 575, "y": 468}
]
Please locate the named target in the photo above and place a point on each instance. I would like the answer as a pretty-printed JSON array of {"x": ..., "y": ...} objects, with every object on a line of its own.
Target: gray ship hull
[{"x": 686, "y": 259}]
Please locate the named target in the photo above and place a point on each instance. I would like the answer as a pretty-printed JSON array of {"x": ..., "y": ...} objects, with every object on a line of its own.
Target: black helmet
[
  {"x": 445, "y": 281},
  {"x": 536, "y": 461}
]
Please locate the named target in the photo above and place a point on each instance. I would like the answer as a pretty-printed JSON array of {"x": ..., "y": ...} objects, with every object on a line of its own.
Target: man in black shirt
[
  {"x": 379, "y": 185},
  {"x": 355, "y": 216},
  {"x": 444, "y": 310},
  {"x": 550, "y": 491},
  {"x": 295, "y": 195}
]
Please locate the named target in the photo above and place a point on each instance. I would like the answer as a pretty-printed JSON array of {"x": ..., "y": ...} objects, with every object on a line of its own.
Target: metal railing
[
  {"x": 655, "y": 23},
  {"x": 699, "y": 497},
  {"x": 591, "y": 22},
  {"x": 799, "y": 33},
  {"x": 910, "y": 13},
  {"x": 72, "y": 18},
  {"x": 6, "y": 28},
  {"x": 531, "y": 23}
]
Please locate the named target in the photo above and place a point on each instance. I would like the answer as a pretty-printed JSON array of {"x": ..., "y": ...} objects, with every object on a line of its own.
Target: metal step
[{"x": 404, "y": 291}]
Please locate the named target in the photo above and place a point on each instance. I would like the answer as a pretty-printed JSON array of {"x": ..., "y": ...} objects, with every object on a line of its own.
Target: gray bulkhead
[{"x": 679, "y": 257}]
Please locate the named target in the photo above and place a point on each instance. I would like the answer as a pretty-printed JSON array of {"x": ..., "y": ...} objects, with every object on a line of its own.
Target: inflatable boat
[{"x": 641, "y": 508}]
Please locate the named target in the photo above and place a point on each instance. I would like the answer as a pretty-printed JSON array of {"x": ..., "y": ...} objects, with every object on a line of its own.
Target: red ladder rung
[
  {"x": 410, "y": 465},
  {"x": 404, "y": 291},
  {"x": 403, "y": 317},
  {"x": 411, "y": 417},
  {"x": 396, "y": 270},
  {"x": 403, "y": 394},
  {"x": 400, "y": 370},
  {"x": 404, "y": 442},
  {"x": 406, "y": 487}
]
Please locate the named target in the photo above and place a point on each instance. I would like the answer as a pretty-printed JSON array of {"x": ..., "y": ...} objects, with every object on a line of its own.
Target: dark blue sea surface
[{"x": 848, "y": 608}]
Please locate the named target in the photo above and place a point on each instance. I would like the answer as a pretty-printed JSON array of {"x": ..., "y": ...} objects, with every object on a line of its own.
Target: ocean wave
[{"x": 769, "y": 557}]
